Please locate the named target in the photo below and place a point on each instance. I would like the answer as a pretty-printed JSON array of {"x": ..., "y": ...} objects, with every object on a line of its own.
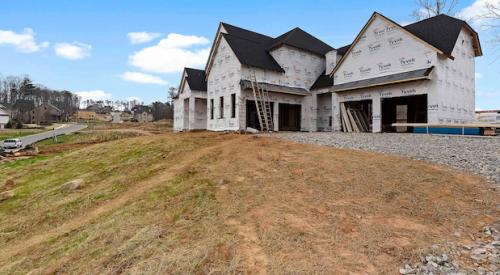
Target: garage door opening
[
  {"x": 356, "y": 116},
  {"x": 289, "y": 117},
  {"x": 408, "y": 109},
  {"x": 252, "y": 116}
]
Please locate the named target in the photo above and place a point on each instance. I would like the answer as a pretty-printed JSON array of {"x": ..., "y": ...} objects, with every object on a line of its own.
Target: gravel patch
[
  {"x": 480, "y": 257},
  {"x": 479, "y": 155}
]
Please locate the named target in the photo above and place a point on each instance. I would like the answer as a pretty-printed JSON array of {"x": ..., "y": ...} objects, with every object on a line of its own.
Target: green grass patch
[
  {"x": 8, "y": 134},
  {"x": 22, "y": 162}
]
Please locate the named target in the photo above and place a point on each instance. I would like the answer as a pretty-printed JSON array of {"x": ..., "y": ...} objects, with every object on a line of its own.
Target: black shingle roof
[
  {"x": 252, "y": 53},
  {"x": 246, "y": 34},
  {"x": 323, "y": 81},
  {"x": 343, "y": 50},
  {"x": 252, "y": 49},
  {"x": 196, "y": 79},
  {"x": 300, "y": 39},
  {"x": 440, "y": 31}
]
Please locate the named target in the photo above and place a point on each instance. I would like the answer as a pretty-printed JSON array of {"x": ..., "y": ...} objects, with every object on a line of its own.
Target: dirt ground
[{"x": 229, "y": 203}]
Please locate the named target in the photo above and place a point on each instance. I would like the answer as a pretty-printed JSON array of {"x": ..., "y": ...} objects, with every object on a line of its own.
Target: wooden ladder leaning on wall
[{"x": 263, "y": 105}]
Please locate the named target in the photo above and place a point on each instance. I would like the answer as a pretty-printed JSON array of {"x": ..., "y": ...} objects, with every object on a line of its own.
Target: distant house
[
  {"x": 116, "y": 117},
  {"x": 44, "y": 114},
  {"x": 126, "y": 116},
  {"x": 99, "y": 109},
  {"x": 104, "y": 117},
  {"x": 85, "y": 115},
  {"x": 4, "y": 116},
  {"x": 142, "y": 113}
]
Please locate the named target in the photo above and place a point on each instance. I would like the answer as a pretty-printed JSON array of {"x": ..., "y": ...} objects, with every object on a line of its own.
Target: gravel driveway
[{"x": 479, "y": 155}]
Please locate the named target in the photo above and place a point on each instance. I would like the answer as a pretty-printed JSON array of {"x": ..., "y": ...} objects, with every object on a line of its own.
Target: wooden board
[
  {"x": 345, "y": 117},
  {"x": 353, "y": 122}
]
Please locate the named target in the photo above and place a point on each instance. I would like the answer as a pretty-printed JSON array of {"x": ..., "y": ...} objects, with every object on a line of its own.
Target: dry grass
[
  {"x": 226, "y": 203},
  {"x": 158, "y": 127},
  {"x": 71, "y": 142}
]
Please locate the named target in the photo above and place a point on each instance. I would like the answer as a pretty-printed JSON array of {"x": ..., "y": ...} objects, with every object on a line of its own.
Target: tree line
[
  {"x": 19, "y": 94},
  {"x": 15, "y": 91}
]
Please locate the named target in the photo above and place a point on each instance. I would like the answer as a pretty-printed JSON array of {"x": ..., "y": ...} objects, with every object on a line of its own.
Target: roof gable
[
  {"x": 196, "y": 79},
  {"x": 364, "y": 29},
  {"x": 252, "y": 53},
  {"x": 302, "y": 40},
  {"x": 442, "y": 32},
  {"x": 253, "y": 49},
  {"x": 249, "y": 47}
]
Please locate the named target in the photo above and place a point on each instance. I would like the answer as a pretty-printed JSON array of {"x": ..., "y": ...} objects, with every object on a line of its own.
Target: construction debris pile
[
  {"x": 354, "y": 120},
  {"x": 26, "y": 152},
  {"x": 482, "y": 257}
]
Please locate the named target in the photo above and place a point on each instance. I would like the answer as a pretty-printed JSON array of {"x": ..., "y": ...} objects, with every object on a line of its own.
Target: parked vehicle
[{"x": 12, "y": 143}]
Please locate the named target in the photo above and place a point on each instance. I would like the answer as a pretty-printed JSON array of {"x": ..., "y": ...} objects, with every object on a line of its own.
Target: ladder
[{"x": 262, "y": 104}]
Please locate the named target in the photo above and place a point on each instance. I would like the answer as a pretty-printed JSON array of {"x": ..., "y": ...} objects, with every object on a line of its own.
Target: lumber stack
[{"x": 354, "y": 120}]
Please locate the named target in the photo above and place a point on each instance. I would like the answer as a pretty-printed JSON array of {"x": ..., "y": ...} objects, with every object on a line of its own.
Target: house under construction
[{"x": 420, "y": 73}]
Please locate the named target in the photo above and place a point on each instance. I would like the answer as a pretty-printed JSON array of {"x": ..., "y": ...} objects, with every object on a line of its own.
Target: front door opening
[
  {"x": 252, "y": 116},
  {"x": 289, "y": 117},
  {"x": 407, "y": 109}
]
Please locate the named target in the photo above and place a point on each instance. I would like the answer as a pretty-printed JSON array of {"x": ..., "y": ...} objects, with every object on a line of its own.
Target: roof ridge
[
  {"x": 242, "y": 38},
  {"x": 316, "y": 45},
  {"x": 254, "y": 32},
  {"x": 288, "y": 34},
  {"x": 432, "y": 17}
]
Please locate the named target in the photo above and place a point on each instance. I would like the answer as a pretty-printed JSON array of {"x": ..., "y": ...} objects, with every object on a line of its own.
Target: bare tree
[
  {"x": 491, "y": 20},
  {"x": 172, "y": 92},
  {"x": 430, "y": 8}
]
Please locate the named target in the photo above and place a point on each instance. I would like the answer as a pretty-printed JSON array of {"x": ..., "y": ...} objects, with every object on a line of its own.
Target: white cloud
[
  {"x": 475, "y": 11},
  {"x": 24, "y": 42},
  {"x": 142, "y": 37},
  {"x": 172, "y": 54},
  {"x": 94, "y": 95},
  {"x": 134, "y": 98},
  {"x": 72, "y": 51},
  {"x": 479, "y": 75},
  {"x": 142, "y": 78}
]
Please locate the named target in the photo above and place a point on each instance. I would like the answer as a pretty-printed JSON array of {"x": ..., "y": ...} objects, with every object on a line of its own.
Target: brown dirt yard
[{"x": 228, "y": 203}]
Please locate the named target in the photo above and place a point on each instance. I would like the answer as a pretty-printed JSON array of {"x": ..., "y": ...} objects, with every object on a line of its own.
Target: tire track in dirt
[
  {"x": 131, "y": 194},
  {"x": 255, "y": 257}
]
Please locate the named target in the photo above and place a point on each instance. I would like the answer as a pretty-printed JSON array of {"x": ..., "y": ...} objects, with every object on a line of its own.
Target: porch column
[
  {"x": 192, "y": 113},
  {"x": 336, "y": 123},
  {"x": 376, "y": 115},
  {"x": 276, "y": 116}
]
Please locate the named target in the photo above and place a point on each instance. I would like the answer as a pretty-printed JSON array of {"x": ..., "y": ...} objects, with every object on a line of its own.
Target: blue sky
[{"x": 90, "y": 46}]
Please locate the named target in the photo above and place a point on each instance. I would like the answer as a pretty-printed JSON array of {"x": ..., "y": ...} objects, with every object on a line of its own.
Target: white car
[{"x": 12, "y": 143}]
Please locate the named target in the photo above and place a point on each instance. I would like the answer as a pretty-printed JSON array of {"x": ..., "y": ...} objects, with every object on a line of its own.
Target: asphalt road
[{"x": 65, "y": 129}]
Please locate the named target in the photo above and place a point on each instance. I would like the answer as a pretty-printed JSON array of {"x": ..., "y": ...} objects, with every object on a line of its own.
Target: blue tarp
[{"x": 447, "y": 131}]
